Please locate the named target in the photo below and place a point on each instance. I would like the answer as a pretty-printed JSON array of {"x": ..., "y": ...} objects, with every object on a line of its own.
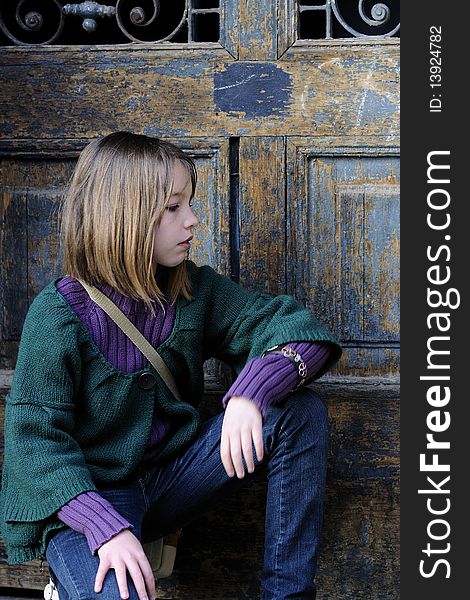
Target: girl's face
[{"x": 171, "y": 239}]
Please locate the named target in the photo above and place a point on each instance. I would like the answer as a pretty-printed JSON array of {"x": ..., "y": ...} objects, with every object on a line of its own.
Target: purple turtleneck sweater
[{"x": 263, "y": 380}]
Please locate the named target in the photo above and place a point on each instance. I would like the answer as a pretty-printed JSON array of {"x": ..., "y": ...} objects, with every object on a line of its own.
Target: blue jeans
[{"x": 295, "y": 434}]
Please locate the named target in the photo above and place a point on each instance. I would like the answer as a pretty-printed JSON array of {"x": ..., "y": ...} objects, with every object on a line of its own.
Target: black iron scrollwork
[
  {"x": 29, "y": 25},
  {"x": 89, "y": 11},
  {"x": 41, "y": 22},
  {"x": 380, "y": 15},
  {"x": 367, "y": 19},
  {"x": 134, "y": 20}
]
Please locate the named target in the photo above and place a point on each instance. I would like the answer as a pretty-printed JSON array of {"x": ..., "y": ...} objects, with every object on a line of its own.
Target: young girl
[{"x": 95, "y": 441}]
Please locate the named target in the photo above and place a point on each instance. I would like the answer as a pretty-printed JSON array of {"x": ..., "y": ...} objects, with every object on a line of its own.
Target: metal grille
[
  {"x": 333, "y": 19},
  {"x": 44, "y": 22}
]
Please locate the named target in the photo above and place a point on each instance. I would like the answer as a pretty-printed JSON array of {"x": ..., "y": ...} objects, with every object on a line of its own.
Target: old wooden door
[{"x": 290, "y": 109}]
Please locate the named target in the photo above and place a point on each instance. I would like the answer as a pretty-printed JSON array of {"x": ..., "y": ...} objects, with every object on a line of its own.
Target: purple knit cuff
[
  {"x": 265, "y": 380},
  {"x": 93, "y": 516}
]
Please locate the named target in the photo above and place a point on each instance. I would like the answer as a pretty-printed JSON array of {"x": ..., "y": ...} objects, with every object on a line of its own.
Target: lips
[{"x": 186, "y": 241}]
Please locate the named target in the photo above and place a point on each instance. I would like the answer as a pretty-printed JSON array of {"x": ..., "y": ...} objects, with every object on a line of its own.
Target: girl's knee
[
  {"x": 308, "y": 403},
  {"x": 310, "y": 411},
  {"x": 299, "y": 425},
  {"x": 302, "y": 415}
]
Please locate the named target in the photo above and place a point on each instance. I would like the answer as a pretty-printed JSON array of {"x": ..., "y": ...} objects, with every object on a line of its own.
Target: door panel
[
  {"x": 14, "y": 287},
  {"x": 343, "y": 232},
  {"x": 78, "y": 94},
  {"x": 262, "y": 213},
  {"x": 30, "y": 191}
]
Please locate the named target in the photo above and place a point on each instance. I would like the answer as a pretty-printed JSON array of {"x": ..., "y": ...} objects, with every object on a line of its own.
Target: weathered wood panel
[
  {"x": 71, "y": 93},
  {"x": 343, "y": 249},
  {"x": 382, "y": 259},
  {"x": 287, "y": 31},
  {"x": 368, "y": 360},
  {"x": 360, "y": 544},
  {"x": 13, "y": 242},
  {"x": 229, "y": 30},
  {"x": 30, "y": 255},
  {"x": 262, "y": 214},
  {"x": 44, "y": 254},
  {"x": 368, "y": 255},
  {"x": 258, "y": 27},
  {"x": 28, "y": 240}
]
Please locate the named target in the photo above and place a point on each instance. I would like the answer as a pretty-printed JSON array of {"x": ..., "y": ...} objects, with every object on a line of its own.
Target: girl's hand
[
  {"x": 124, "y": 553},
  {"x": 242, "y": 427}
]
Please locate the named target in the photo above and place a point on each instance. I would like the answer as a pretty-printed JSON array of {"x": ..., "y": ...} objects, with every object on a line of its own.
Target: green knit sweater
[{"x": 74, "y": 423}]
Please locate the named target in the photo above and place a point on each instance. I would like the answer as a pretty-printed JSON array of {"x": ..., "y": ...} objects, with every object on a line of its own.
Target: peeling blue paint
[
  {"x": 162, "y": 131},
  {"x": 373, "y": 106},
  {"x": 137, "y": 102},
  {"x": 256, "y": 89},
  {"x": 176, "y": 68}
]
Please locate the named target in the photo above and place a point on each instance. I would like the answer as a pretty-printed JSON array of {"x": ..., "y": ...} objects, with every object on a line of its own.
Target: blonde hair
[{"x": 117, "y": 195}]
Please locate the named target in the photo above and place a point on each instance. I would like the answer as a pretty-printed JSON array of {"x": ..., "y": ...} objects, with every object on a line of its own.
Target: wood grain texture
[
  {"x": 13, "y": 241},
  {"x": 286, "y": 26},
  {"x": 220, "y": 555},
  {"x": 229, "y": 29},
  {"x": 28, "y": 240},
  {"x": 84, "y": 92},
  {"x": 343, "y": 248},
  {"x": 257, "y": 20},
  {"x": 262, "y": 214}
]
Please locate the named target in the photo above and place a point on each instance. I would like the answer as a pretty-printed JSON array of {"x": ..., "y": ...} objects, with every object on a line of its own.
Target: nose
[{"x": 191, "y": 219}]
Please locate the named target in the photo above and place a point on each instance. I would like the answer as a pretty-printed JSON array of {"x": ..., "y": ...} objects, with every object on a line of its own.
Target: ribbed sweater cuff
[
  {"x": 265, "y": 380},
  {"x": 93, "y": 516}
]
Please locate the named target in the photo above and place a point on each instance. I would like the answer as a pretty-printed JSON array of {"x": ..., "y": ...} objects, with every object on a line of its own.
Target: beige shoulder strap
[{"x": 134, "y": 335}]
